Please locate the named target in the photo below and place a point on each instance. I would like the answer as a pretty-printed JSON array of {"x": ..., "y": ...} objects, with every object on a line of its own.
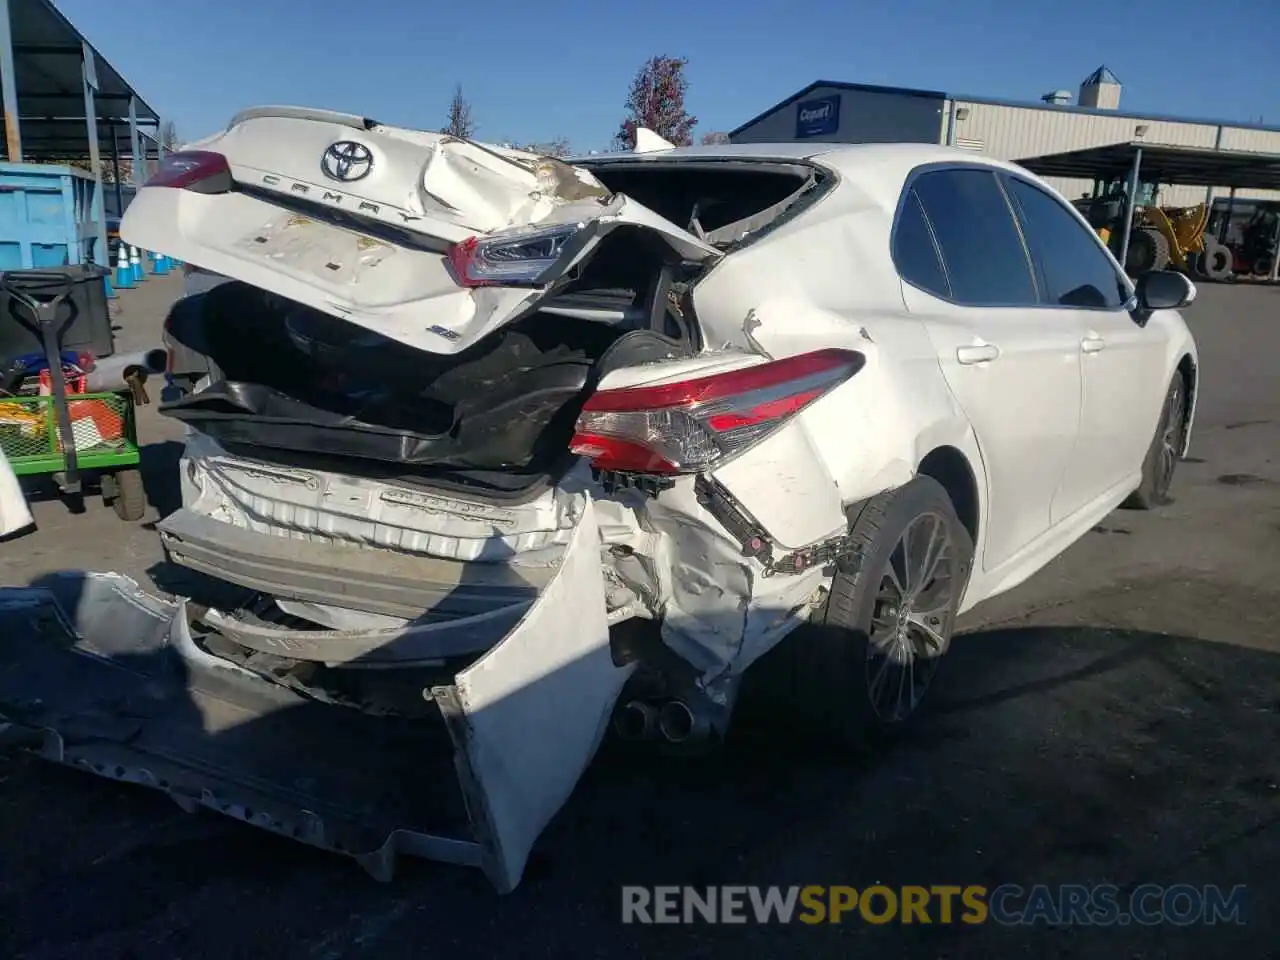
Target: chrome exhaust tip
[
  {"x": 635, "y": 720},
  {"x": 679, "y": 723}
]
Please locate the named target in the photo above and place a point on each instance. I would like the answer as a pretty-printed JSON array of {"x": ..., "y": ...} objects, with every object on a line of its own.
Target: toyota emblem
[{"x": 346, "y": 161}]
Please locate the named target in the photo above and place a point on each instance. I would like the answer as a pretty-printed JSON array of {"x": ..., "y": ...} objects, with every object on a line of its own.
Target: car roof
[
  {"x": 832, "y": 154},
  {"x": 879, "y": 167}
]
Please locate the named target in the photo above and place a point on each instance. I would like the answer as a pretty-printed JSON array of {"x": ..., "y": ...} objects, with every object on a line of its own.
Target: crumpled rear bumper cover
[
  {"x": 105, "y": 678},
  {"x": 99, "y": 675},
  {"x": 348, "y": 575}
]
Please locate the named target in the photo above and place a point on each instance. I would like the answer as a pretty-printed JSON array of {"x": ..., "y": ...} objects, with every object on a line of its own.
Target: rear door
[
  {"x": 1013, "y": 365},
  {"x": 1122, "y": 363}
]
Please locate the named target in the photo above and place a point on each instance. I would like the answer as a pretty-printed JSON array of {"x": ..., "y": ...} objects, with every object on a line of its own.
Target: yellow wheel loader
[{"x": 1161, "y": 237}]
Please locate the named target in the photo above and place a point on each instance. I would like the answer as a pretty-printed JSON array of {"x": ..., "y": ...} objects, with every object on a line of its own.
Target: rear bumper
[
  {"x": 345, "y": 575},
  {"x": 98, "y": 675}
]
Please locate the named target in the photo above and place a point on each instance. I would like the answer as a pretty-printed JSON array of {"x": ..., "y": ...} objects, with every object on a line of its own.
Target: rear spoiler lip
[{"x": 352, "y": 120}]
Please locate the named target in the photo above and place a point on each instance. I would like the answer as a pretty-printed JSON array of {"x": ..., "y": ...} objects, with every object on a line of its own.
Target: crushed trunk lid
[{"x": 425, "y": 238}]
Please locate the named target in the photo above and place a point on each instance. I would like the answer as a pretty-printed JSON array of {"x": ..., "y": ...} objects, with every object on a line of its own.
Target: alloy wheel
[
  {"x": 914, "y": 605},
  {"x": 1170, "y": 438}
]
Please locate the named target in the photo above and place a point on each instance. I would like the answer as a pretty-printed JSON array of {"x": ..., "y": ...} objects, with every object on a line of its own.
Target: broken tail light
[
  {"x": 525, "y": 258},
  {"x": 695, "y": 425},
  {"x": 202, "y": 171}
]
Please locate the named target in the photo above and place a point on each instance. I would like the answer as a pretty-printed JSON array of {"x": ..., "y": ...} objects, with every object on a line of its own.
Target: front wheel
[
  {"x": 862, "y": 668},
  {"x": 1165, "y": 451}
]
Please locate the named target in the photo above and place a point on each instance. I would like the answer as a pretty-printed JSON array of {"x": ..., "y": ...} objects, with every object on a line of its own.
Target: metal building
[
  {"x": 64, "y": 103},
  {"x": 1009, "y": 129}
]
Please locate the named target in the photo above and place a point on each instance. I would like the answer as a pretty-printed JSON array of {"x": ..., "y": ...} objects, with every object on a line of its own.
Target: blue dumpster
[{"x": 46, "y": 216}]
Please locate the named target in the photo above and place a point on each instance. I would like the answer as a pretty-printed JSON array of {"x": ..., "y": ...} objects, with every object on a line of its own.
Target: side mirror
[{"x": 1164, "y": 290}]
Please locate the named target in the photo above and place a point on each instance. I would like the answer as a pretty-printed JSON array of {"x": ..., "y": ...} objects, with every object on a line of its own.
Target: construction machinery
[
  {"x": 1160, "y": 237},
  {"x": 1250, "y": 230}
]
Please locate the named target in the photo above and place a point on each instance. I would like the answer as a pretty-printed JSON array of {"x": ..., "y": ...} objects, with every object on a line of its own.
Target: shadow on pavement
[
  {"x": 1050, "y": 755},
  {"x": 160, "y": 475}
]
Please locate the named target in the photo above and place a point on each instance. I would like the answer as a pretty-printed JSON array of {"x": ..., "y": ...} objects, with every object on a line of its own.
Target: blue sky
[{"x": 537, "y": 70}]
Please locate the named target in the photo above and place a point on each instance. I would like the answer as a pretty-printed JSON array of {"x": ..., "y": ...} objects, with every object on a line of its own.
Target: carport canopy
[
  {"x": 51, "y": 78},
  {"x": 1167, "y": 164},
  {"x": 1164, "y": 163}
]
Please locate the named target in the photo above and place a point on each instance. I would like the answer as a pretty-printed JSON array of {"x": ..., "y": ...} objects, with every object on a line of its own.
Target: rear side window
[
  {"x": 982, "y": 250},
  {"x": 1076, "y": 271},
  {"x": 914, "y": 253}
]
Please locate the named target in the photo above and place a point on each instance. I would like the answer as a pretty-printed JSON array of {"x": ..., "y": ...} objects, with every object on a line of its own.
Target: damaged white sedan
[{"x": 477, "y": 418}]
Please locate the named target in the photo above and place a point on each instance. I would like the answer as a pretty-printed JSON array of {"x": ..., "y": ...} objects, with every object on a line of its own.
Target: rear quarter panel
[{"x": 827, "y": 280}]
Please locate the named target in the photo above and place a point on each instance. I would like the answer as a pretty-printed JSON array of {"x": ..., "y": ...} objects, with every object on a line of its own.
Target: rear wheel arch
[{"x": 951, "y": 468}]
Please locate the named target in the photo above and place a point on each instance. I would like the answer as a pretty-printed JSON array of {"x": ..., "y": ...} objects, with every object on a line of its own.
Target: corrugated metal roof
[
  {"x": 1001, "y": 102},
  {"x": 47, "y": 51},
  {"x": 1165, "y": 163}
]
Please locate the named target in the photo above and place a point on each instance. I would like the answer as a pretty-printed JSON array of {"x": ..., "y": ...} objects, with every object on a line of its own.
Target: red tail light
[
  {"x": 200, "y": 170},
  {"x": 696, "y": 425}
]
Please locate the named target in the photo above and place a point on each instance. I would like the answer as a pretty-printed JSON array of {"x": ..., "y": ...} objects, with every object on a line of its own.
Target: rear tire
[
  {"x": 1165, "y": 451},
  {"x": 130, "y": 501},
  {"x": 859, "y": 670}
]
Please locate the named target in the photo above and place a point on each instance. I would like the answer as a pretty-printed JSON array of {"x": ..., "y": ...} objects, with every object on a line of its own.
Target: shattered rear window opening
[{"x": 720, "y": 202}]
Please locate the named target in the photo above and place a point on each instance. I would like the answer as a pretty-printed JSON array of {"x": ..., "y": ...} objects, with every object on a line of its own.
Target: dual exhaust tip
[{"x": 671, "y": 720}]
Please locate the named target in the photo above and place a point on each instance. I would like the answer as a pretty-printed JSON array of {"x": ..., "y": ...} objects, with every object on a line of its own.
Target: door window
[
  {"x": 1076, "y": 270},
  {"x": 982, "y": 251},
  {"x": 914, "y": 252}
]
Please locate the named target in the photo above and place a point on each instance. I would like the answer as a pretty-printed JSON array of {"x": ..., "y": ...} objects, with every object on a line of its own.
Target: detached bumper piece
[
  {"x": 98, "y": 675},
  {"x": 106, "y": 678}
]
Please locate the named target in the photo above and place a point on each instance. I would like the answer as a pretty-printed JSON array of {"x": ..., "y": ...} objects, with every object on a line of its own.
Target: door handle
[
  {"x": 1092, "y": 343},
  {"x": 977, "y": 353}
]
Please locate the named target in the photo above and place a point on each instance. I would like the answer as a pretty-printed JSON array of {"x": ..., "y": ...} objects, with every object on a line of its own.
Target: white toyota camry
[{"x": 471, "y": 410}]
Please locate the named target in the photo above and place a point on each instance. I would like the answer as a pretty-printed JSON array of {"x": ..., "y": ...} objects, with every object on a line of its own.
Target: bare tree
[
  {"x": 555, "y": 147},
  {"x": 169, "y": 136},
  {"x": 656, "y": 101},
  {"x": 459, "y": 123},
  {"x": 105, "y": 167},
  {"x": 710, "y": 139}
]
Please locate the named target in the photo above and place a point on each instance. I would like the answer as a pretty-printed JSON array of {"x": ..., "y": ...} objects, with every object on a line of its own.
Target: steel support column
[
  {"x": 115, "y": 168},
  {"x": 1129, "y": 203},
  {"x": 89, "y": 78},
  {"x": 1225, "y": 225},
  {"x": 1275, "y": 264},
  {"x": 136, "y": 163},
  {"x": 1208, "y": 191},
  {"x": 9, "y": 81}
]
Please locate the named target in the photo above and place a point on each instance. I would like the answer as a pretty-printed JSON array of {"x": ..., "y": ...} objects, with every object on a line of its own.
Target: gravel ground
[{"x": 1115, "y": 720}]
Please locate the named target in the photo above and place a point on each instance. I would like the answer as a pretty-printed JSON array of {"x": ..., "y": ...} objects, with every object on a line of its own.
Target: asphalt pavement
[{"x": 1116, "y": 720}]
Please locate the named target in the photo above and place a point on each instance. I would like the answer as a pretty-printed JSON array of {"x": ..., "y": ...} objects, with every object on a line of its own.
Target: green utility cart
[{"x": 61, "y": 431}]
